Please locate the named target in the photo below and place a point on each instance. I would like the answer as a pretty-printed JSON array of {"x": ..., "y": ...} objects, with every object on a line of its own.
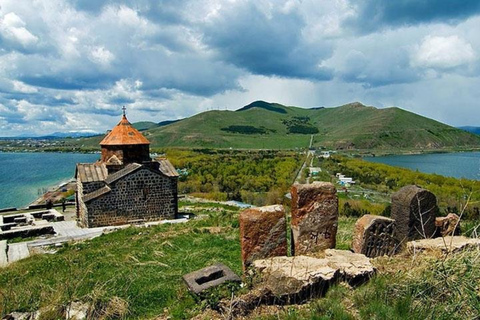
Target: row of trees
[{"x": 258, "y": 177}]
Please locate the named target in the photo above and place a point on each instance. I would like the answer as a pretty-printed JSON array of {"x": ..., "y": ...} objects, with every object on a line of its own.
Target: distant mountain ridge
[
  {"x": 274, "y": 126},
  {"x": 475, "y": 130}
]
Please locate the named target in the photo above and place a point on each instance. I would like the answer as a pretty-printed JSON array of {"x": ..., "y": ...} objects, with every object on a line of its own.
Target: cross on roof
[{"x": 124, "y": 109}]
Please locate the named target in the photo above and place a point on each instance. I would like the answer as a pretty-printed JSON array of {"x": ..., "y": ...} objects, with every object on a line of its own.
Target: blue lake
[
  {"x": 458, "y": 165},
  {"x": 24, "y": 175}
]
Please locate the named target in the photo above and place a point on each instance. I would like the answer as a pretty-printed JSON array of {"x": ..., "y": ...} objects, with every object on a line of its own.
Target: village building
[{"x": 125, "y": 185}]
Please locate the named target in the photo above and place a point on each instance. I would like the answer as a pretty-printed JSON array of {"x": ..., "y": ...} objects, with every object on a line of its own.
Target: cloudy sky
[{"x": 70, "y": 65}]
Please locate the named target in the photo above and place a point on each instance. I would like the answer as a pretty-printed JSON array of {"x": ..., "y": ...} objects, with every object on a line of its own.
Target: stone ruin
[
  {"x": 414, "y": 209},
  {"x": 314, "y": 217},
  {"x": 375, "y": 236},
  {"x": 263, "y": 233}
]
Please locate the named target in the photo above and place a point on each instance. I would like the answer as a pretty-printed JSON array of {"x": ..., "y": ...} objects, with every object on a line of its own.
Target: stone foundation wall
[{"x": 140, "y": 196}]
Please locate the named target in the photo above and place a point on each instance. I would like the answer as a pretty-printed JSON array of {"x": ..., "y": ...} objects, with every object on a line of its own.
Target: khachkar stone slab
[
  {"x": 414, "y": 210},
  {"x": 263, "y": 233},
  {"x": 374, "y": 236},
  {"x": 314, "y": 217}
]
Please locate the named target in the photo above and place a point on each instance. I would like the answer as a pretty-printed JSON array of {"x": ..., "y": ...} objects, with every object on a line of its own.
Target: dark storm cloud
[
  {"x": 376, "y": 14},
  {"x": 267, "y": 45}
]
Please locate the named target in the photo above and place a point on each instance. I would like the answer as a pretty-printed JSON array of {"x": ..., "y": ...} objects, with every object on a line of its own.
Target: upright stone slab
[
  {"x": 263, "y": 233},
  {"x": 374, "y": 236},
  {"x": 314, "y": 217},
  {"x": 414, "y": 210}
]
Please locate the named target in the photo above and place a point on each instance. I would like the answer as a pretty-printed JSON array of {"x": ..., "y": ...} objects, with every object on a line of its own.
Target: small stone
[
  {"x": 448, "y": 226},
  {"x": 263, "y": 233},
  {"x": 209, "y": 277},
  {"x": 414, "y": 210},
  {"x": 314, "y": 217},
  {"x": 446, "y": 244},
  {"x": 77, "y": 311},
  {"x": 354, "y": 268},
  {"x": 374, "y": 236}
]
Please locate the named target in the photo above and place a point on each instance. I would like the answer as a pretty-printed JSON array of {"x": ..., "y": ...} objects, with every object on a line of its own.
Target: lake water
[
  {"x": 458, "y": 165},
  {"x": 23, "y": 175}
]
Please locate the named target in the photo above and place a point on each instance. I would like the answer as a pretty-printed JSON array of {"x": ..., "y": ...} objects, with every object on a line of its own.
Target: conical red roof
[{"x": 124, "y": 134}]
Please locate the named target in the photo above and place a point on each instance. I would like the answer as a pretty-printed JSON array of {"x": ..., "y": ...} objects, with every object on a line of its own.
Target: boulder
[
  {"x": 314, "y": 217},
  {"x": 263, "y": 233},
  {"x": 374, "y": 236}
]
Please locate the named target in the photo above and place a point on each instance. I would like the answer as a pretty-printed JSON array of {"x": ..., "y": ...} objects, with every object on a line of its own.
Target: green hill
[{"x": 274, "y": 126}]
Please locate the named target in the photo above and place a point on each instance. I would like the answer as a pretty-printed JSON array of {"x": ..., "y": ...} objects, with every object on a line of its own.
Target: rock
[
  {"x": 18, "y": 316},
  {"x": 77, "y": 311},
  {"x": 414, "y": 210},
  {"x": 209, "y": 277},
  {"x": 446, "y": 244},
  {"x": 448, "y": 226},
  {"x": 314, "y": 217},
  {"x": 354, "y": 268},
  {"x": 3, "y": 253},
  {"x": 374, "y": 236},
  {"x": 17, "y": 251},
  {"x": 263, "y": 233},
  {"x": 295, "y": 279}
]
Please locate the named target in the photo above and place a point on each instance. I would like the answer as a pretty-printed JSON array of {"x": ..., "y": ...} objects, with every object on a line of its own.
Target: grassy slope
[
  {"x": 136, "y": 273},
  {"x": 352, "y": 126}
]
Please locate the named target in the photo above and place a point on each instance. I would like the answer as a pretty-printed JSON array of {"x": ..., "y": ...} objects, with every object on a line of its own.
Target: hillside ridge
[{"x": 266, "y": 125}]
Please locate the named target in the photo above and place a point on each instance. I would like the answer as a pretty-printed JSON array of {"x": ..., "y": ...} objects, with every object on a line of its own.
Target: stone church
[{"x": 125, "y": 185}]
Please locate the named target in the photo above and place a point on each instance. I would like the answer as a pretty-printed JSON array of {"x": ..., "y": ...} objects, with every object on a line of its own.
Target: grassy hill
[{"x": 274, "y": 126}]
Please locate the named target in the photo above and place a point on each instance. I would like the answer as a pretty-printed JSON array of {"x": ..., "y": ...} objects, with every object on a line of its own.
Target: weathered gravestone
[
  {"x": 314, "y": 217},
  {"x": 374, "y": 236},
  {"x": 263, "y": 233},
  {"x": 414, "y": 210}
]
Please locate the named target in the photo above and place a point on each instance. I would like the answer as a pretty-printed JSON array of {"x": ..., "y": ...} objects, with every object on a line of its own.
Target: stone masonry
[
  {"x": 263, "y": 233},
  {"x": 374, "y": 236},
  {"x": 414, "y": 209},
  {"x": 143, "y": 195},
  {"x": 125, "y": 185},
  {"x": 314, "y": 217}
]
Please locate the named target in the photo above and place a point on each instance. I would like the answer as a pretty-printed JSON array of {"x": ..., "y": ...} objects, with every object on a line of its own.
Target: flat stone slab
[
  {"x": 17, "y": 251},
  {"x": 28, "y": 231},
  {"x": 3, "y": 254},
  {"x": 446, "y": 244},
  {"x": 295, "y": 279},
  {"x": 355, "y": 268},
  {"x": 209, "y": 277}
]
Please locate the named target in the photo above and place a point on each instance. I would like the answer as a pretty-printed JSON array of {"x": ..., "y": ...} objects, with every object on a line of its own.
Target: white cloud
[
  {"x": 443, "y": 52},
  {"x": 12, "y": 27},
  {"x": 101, "y": 56}
]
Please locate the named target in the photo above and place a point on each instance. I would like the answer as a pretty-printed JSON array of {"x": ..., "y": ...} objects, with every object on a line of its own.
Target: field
[{"x": 135, "y": 273}]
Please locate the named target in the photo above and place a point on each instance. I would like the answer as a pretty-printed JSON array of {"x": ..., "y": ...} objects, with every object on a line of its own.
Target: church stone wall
[
  {"x": 80, "y": 205},
  {"x": 143, "y": 195}
]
